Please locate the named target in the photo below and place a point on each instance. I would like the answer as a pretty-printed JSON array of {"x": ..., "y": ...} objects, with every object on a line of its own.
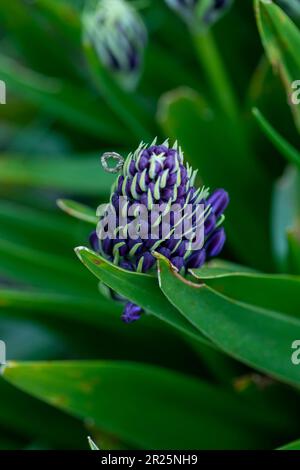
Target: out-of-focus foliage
[{"x": 210, "y": 364}]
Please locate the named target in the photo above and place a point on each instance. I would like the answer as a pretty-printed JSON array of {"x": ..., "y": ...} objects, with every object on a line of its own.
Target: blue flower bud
[
  {"x": 131, "y": 313},
  {"x": 215, "y": 243},
  {"x": 94, "y": 241},
  {"x": 200, "y": 14},
  {"x": 119, "y": 36},
  {"x": 210, "y": 224},
  {"x": 156, "y": 174},
  {"x": 178, "y": 262},
  {"x": 197, "y": 259},
  {"x": 219, "y": 200}
]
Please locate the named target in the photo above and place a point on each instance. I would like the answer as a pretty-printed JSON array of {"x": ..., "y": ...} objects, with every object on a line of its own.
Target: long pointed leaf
[
  {"x": 281, "y": 40},
  {"x": 148, "y": 407},
  {"x": 271, "y": 291},
  {"x": 139, "y": 288},
  {"x": 286, "y": 149},
  {"x": 260, "y": 338}
]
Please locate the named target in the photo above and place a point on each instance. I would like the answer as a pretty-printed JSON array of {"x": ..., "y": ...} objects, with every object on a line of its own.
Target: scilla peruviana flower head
[
  {"x": 157, "y": 208},
  {"x": 200, "y": 14},
  {"x": 117, "y": 32}
]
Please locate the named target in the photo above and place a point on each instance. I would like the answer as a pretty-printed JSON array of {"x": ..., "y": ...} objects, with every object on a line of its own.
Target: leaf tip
[
  {"x": 61, "y": 204},
  {"x": 92, "y": 444},
  {"x": 78, "y": 250}
]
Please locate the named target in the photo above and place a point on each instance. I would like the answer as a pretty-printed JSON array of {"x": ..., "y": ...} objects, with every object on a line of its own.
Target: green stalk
[
  {"x": 125, "y": 105},
  {"x": 216, "y": 74}
]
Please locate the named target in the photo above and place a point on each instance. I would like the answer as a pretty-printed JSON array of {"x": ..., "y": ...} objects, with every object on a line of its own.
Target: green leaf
[
  {"x": 285, "y": 213},
  {"x": 255, "y": 336},
  {"x": 270, "y": 291},
  {"x": 220, "y": 268},
  {"x": 266, "y": 94},
  {"x": 91, "y": 309},
  {"x": 217, "y": 77},
  {"x": 34, "y": 34},
  {"x": 281, "y": 40},
  {"x": 64, "y": 16},
  {"x": 39, "y": 228},
  {"x": 141, "y": 289},
  {"x": 9, "y": 441},
  {"x": 293, "y": 237},
  {"x": 92, "y": 444},
  {"x": 286, "y": 149},
  {"x": 77, "y": 321},
  {"x": 143, "y": 404},
  {"x": 79, "y": 174},
  {"x": 35, "y": 268},
  {"x": 220, "y": 367},
  {"x": 77, "y": 210},
  {"x": 22, "y": 415},
  {"x": 223, "y": 161},
  {"x": 36, "y": 248},
  {"x": 62, "y": 100},
  {"x": 295, "y": 445}
]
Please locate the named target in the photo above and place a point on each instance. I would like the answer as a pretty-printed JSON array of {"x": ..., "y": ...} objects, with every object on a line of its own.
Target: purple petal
[
  {"x": 123, "y": 250},
  {"x": 215, "y": 243},
  {"x": 149, "y": 243},
  {"x": 166, "y": 194},
  {"x": 170, "y": 243},
  {"x": 178, "y": 262},
  {"x": 132, "y": 313},
  {"x": 128, "y": 188},
  {"x": 180, "y": 191},
  {"x": 171, "y": 153},
  {"x": 181, "y": 249},
  {"x": 209, "y": 224},
  {"x": 143, "y": 162},
  {"x": 107, "y": 245},
  {"x": 120, "y": 182},
  {"x": 219, "y": 200},
  {"x": 196, "y": 259},
  {"x": 126, "y": 265},
  {"x": 164, "y": 251},
  {"x": 115, "y": 201},
  {"x": 94, "y": 241},
  {"x": 144, "y": 199},
  {"x": 169, "y": 162},
  {"x": 183, "y": 173},
  {"x": 158, "y": 149},
  {"x": 131, "y": 243},
  {"x": 148, "y": 261},
  {"x": 172, "y": 179},
  {"x": 132, "y": 169}
]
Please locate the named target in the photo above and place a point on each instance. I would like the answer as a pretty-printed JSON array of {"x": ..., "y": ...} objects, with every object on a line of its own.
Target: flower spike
[
  {"x": 156, "y": 179},
  {"x": 118, "y": 35}
]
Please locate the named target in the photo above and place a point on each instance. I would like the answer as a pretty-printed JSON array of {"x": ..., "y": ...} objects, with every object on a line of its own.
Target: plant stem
[{"x": 216, "y": 74}]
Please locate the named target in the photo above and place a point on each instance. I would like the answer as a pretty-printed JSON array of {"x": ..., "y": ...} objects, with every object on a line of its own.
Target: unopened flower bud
[
  {"x": 200, "y": 14},
  {"x": 117, "y": 32}
]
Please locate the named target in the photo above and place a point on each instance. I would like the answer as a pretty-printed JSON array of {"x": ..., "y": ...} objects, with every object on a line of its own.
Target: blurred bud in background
[
  {"x": 292, "y": 7},
  {"x": 118, "y": 34},
  {"x": 200, "y": 14}
]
